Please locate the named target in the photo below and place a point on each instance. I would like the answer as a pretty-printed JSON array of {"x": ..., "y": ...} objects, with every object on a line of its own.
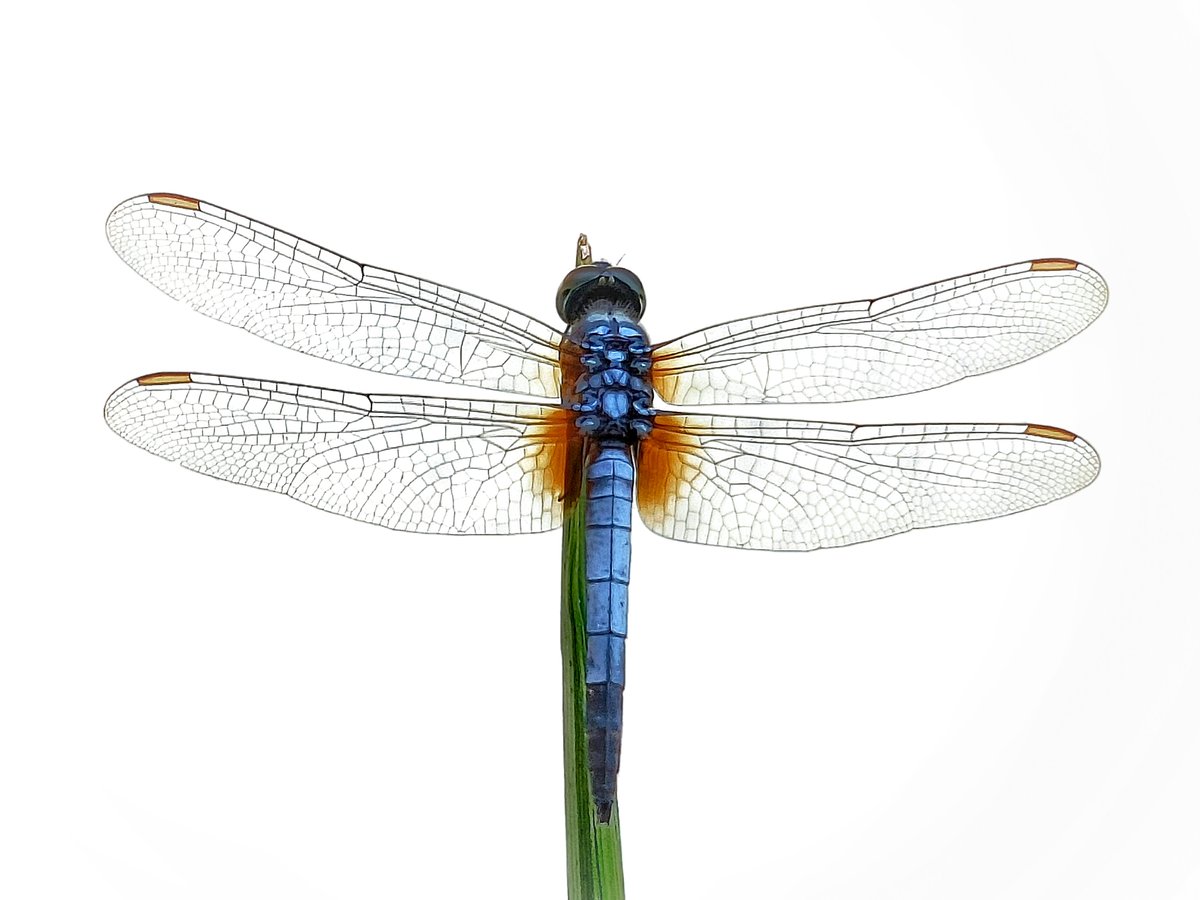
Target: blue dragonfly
[{"x": 588, "y": 430}]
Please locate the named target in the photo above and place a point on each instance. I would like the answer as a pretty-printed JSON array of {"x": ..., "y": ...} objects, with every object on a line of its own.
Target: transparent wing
[
  {"x": 774, "y": 484},
  {"x": 423, "y": 464},
  {"x": 295, "y": 293},
  {"x": 911, "y": 341}
]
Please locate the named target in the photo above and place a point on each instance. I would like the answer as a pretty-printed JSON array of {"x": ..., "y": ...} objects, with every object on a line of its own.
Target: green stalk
[{"x": 593, "y": 850}]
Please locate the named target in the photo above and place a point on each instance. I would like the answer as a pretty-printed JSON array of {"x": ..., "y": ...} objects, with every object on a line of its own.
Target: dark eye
[
  {"x": 630, "y": 280},
  {"x": 600, "y": 282},
  {"x": 576, "y": 279}
]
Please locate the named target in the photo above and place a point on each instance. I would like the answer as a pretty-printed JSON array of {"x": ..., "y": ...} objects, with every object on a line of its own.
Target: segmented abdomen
[{"x": 609, "y": 516}]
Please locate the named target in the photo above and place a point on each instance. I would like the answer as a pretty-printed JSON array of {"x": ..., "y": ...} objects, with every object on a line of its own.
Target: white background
[{"x": 212, "y": 692}]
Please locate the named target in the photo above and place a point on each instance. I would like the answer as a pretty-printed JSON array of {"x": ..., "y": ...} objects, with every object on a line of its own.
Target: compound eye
[
  {"x": 575, "y": 279},
  {"x": 630, "y": 280},
  {"x": 600, "y": 281}
]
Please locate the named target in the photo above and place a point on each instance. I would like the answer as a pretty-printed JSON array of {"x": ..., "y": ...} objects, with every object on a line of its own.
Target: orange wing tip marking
[
  {"x": 166, "y": 378},
  {"x": 1052, "y": 265},
  {"x": 1049, "y": 431},
  {"x": 174, "y": 200}
]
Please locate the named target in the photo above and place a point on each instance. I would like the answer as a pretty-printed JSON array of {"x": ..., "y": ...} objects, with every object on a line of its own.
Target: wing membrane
[
  {"x": 295, "y": 293},
  {"x": 409, "y": 463},
  {"x": 911, "y": 341},
  {"x": 775, "y": 484}
]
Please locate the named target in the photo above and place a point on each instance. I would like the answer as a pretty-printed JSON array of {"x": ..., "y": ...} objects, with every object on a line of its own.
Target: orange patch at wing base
[
  {"x": 1049, "y": 431},
  {"x": 166, "y": 378},
  {"x": 665, "y": 381},
  {"x": 662, "y": 463},
  {"x": 545, "y": 462},
  {"x": 174, "y": 200},
  {"x": 1050, "y": 265}
]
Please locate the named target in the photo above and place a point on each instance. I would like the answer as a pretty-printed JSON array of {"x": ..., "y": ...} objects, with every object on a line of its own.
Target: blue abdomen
[{"x": 609, "y": 516}]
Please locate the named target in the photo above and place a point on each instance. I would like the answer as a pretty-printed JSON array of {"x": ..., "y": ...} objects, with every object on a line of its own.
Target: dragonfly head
[{"x": 600, "y": 287}]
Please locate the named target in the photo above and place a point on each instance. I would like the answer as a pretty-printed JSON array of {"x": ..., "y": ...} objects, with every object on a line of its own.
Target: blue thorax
[{"x": 614, "y": 395}]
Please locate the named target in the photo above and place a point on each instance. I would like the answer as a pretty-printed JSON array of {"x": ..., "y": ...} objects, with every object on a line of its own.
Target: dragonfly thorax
[{"x": 613, "y": 395}]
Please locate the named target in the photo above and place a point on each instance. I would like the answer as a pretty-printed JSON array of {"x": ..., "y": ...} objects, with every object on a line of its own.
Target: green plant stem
[{"x": 593, "y": 850}]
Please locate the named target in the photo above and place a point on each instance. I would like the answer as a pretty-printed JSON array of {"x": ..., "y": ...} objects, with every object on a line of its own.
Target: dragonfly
[{"x": 587, "y": 427}]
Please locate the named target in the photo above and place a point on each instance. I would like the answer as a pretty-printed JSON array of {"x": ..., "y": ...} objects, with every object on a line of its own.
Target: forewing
[
  {"x": 912, "y": 341},
  {"x": 775, "y": 484},
  {"x": 425, "y": 464},
  {"x": 300, "y": 295}
]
